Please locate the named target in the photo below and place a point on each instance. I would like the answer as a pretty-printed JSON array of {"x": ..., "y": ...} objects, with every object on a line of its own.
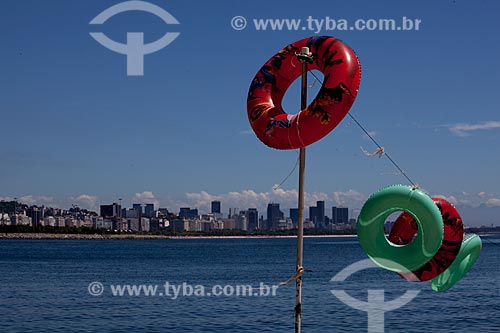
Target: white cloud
[
  {"x": 147, "y": 197},
  {"x": 36, "y": 200},
  {"x": 451, "y": 199},
  {"x": 470, "y": 199},
  {"x": 493, "y": 202},
  {"x": 248, "y": 198},
  {"x": 86, "y": 201},
  {"x": 287, "y": 198},
  {"x": 464, "y": 129},
  {"x": 348, "y": 198},
  {"x": 202, "y": 198}
]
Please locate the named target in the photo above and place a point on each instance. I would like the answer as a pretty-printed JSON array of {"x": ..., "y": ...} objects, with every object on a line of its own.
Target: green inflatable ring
[
  {"x": 400, "y": 258},
  {"x": 469, "y": 252}
]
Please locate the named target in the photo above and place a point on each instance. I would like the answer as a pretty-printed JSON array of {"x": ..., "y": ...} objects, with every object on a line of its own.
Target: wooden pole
[{"x": 305, "y": 57}]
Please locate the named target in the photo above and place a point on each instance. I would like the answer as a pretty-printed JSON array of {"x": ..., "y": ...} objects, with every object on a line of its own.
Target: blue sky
[{"x": 77, "y": 130}]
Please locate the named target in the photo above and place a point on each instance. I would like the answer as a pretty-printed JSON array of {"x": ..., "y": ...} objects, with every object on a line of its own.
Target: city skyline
[
  {"x": 116, "y": 218},
  {"x": 116, "y": 209},
  {"x": 79, "y": 131},
  {"x": 472, "y": 216}
]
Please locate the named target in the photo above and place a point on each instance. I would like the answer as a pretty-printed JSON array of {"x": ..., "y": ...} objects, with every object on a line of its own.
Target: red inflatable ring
[
  {"x": 277, "y": 129},
  {"x": 405, "y": 228}
]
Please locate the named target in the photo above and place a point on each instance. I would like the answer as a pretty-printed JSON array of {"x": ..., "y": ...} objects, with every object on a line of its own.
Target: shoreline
[
  {"x": 48, "y": 236},
  {"x": 260, "y": 236}
]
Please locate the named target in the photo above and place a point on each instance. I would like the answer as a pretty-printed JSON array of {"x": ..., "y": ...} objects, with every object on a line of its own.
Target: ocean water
[{"x": 44, "y": 288}]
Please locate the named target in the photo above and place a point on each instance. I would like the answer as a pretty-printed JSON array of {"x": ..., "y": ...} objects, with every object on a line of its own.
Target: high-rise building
[
  {"x": 131, "y": 213},
  {"x": 241, "y": 221},
  {"x": 274, "y": 215},
  {"x": 140, "y": 212},
  {"x": 148, "y": 210},
  {"x": 252, "y": 219},
  {"x": 111, "y": 211},
  {"x": 215, "y": 209},
  {"x": 184, "y": 212},
  {"x": 178, "y": 225},
  {"x": 317, "y": 214},
  {"x": 294, "y": 215},
  {"x": 343, "y": 214},
  {"x": 137, "y": 207},
  {"x": 320, "y": 213},
  {"x": 188, "y": 213},
  {"x": 340, "y": 215},
  {"x": 313, "y": 215},
  {"x": 36, "y": 215}
]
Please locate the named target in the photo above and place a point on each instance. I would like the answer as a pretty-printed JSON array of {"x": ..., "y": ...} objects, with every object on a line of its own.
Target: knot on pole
[{"x": 298, "y": 275}]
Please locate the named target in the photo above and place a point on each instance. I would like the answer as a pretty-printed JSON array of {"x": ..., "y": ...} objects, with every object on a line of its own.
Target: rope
[
  {"x": 314, "y": 83},
  {"x": 300, "y": 272},
  {"x": 298, "y": 131},
  {"x": 380, "y": 148},
  {"x": 379, "y": 152},
  {"x": 276, "y": 187},
  {"x": 395, "y": 173},
  {"x": 294, "y": 278}
]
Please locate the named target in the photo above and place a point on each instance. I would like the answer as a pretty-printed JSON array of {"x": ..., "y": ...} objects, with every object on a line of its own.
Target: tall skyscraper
[
  {"x": 241, "y": 221},
  {"x": 148, "y": 210},
  {"x": 343, "y": 214},
  {"x": 188, "y": 213},
  {"x": 317, "y": 214},
  {"x": 274, "y": 215},
  {"x": 36, "y": 215},
  {"x": 215, "y": 207},
  {"x": 253, "y": 219},
  {"x": 111, "y": 211},
  {"x": 137, "y": 207},
  {"x": 313, "y": 215},
  {"x": 320, "y": 213},
  {"x": 340, "y": 214},
  {"x": 294, "y": 216}
]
